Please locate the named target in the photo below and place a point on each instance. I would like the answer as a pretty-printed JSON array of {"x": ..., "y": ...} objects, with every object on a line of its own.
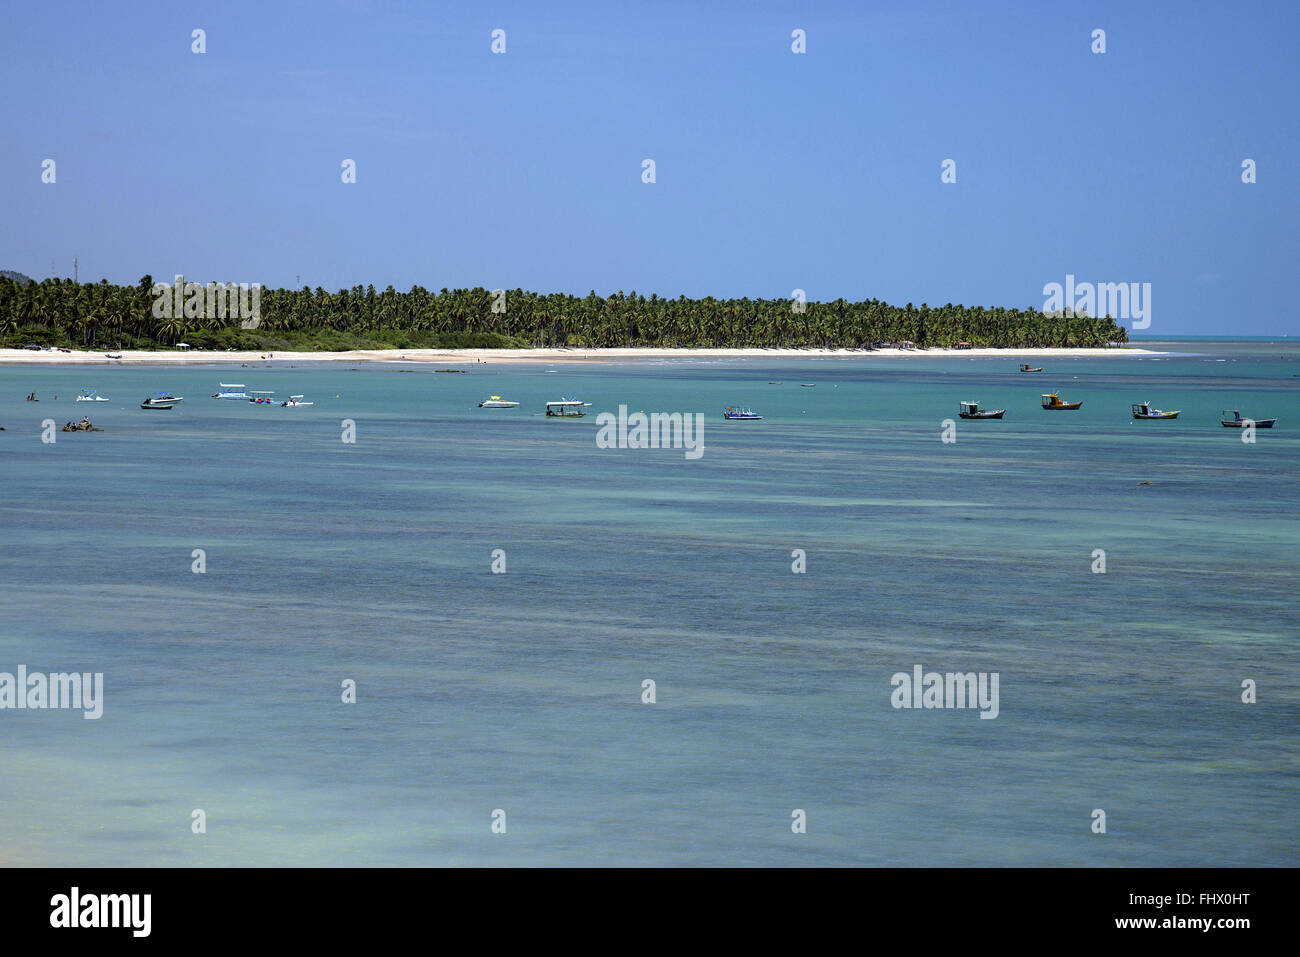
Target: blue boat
[{"x": 732, "y": 412}]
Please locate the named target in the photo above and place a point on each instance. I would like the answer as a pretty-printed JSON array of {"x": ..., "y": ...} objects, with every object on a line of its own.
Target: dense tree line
[{"x": 101, "y": 315}]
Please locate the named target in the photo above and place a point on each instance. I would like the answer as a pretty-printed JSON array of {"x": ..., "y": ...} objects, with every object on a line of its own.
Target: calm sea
[{"x": 522, "y": 692}]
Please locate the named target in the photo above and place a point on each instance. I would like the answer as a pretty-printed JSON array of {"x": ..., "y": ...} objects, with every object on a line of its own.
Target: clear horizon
[{"x": 774, "y": 170}]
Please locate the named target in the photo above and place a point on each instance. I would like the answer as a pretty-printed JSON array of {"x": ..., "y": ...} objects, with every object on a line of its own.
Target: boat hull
[
  {"x": 983, "y": 415},
  {"x": 1162, "y": 415},
  {"x": 1259, "y": 424},
  {"x": 1064, "y": 407}
]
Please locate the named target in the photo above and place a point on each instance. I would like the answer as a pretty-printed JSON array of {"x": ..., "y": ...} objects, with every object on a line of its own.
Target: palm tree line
[{"x": 98, "y": 315}]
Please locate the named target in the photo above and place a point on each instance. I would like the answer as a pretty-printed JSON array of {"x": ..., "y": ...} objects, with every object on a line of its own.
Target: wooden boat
[
  {"x": 1144, "y": 410},
  {"x": 1053, "y": 401},
  {"x": 1026, "y": 367},
  {"x": 1237, "y": 422},
  {"x": 972, "y": 410},
  {"x": 733, "y": 412}
]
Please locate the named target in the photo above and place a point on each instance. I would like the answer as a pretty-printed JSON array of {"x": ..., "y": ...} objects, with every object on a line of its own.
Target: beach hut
[{"x": 182, "y": 345}]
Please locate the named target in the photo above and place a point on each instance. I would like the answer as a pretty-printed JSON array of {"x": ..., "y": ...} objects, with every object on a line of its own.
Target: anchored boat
[
  {"x": 261, "y": 397},
  {"x": 90, "y": 395},
  {"x": 972, "y": 410},
  {"x": 1144, "y": 410},
  {"x": 1053, "y": 402},
  {"x": 1237, "y": 422},
  {"x": 1026, "y": 367},
  {"x": 295, "y": 402},
  {"x": 732, "y": 412},
  {"x": 231, "y": 390},
  {"x": 496, "y": 402}
]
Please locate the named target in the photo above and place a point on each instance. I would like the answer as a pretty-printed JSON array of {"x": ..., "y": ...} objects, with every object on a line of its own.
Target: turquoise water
[{"x": 522, "y": 691}]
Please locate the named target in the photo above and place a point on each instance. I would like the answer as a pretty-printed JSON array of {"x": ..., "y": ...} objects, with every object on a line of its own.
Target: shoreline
[{"x": 22, "y": 357}]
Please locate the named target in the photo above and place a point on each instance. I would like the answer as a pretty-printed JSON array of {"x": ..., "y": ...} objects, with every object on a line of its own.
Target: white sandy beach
[{"x": 455, "y": 357}]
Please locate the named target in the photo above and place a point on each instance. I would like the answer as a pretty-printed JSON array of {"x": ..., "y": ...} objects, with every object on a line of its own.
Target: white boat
[
  {"x": 231, "y": 390},
  {"x": 261, "y": 397},
  {"x": 496, "y": 402},
  {"x": 161, "y": 400},
  {"x": 90, "y": 395},
  {"x": 295, "y": 401},
  {"x": 566, "y": 408}
]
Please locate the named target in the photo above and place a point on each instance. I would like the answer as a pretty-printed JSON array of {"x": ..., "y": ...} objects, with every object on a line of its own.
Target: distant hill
[{"x": 15, "y": 276}]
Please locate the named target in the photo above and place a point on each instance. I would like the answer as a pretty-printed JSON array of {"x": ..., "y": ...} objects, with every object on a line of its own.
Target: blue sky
[{"x": 775, "y": 171}]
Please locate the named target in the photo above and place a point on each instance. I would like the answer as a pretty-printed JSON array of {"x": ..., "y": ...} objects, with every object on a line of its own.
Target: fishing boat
[
  {"x": 1237, "y": 422},
  {"x": 972, "y": 410},
  {"x": 1144, "y": 410},
  {"x": 261, "y": 397},
  {"x": 1053, "y": 401},
  {"x": 231, "y": 390},
  {"x": 566, "y": 408},
  {"x": 1026, "y": 367},
  {"x": 161, "y": 400},
  {"x": 733, "y": 412},
  {"x": 90, "y": 395},
  {"x": 294, "y": 402},
  {"x": 496, "y": 402}
]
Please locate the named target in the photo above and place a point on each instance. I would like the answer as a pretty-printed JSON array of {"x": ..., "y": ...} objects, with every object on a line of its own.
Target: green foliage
[{"x": 103, "y": 316}]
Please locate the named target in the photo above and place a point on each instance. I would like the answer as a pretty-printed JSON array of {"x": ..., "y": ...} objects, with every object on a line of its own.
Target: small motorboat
[
  {"x": 972, "y": 410},
  {"x": 734, "y": 412},
  {"x": 294, "y": 402},
  {"x": 807, "y": 385},
  {"x": 1026, "y": 367},
  {"x": 1144, "y": 410},
  {"x": 231, "y": 390},
  {"x": 261, "y": 397},
  {"x": 161, "y": 400},
  {"x": 1053, "y": 402},
  {"x": 496, "y": 402},
  {"x": 90, "y": 395},
  {"x": 566, "y": 408},
  {"x": 1237, "y": 422}
]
